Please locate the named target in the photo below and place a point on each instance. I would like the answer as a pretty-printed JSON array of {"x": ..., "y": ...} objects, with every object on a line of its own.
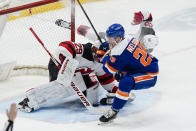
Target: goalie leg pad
[{"x": 49, "y": 94}]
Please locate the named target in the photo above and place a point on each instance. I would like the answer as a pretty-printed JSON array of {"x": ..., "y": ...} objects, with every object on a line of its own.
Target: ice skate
[
  {"x": 108, "y": 116},
  {"x": 24, "y": 106}
]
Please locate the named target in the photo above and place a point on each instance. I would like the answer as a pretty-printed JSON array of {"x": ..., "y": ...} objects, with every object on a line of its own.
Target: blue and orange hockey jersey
[{"x": 129, "y": 56}]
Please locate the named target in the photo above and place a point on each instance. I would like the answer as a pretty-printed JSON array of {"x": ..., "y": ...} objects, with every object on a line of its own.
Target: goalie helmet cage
[{"x": 41, "y": 16}]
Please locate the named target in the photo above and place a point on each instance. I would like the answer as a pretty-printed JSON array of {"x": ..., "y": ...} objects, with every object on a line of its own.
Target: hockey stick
[
  {"x": 82, "y": 97},
  {"x": 68, "y": 67},
  {"x": 39, "y": 40},
  {"x": 90, "y": 21}
]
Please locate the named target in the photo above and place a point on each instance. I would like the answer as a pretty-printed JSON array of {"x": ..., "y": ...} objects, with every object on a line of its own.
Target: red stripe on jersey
[
  {"x": 103, "y": 76},
  {"x": 107, "y": 82},
  {"x": 114, "y": 89},
  {"x": 64, "y": 44},
  {"x": 69, "y": 42}
]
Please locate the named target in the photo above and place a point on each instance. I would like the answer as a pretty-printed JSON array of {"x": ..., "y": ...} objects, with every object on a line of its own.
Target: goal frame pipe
[
  {"x": 26, "y": 6},
  {"x": 73, "y": 20}
]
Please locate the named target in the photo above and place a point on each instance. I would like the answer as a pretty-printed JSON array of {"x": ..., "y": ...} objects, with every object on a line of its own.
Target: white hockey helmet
[{"x": 150, "y": 41}]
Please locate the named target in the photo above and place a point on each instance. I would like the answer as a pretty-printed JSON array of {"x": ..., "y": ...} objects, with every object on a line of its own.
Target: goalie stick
[{"x": 82, "y": 97}]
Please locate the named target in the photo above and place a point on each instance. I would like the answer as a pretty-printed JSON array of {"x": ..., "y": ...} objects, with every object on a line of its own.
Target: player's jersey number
[
  {"x": 139, "y": 52},
  {"x": 145, "y": 60},
  {"x": 78, "y": 48}
]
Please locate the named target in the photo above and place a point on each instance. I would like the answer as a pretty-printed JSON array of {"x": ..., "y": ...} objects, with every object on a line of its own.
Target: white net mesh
[{"x": 18, "y": 39}]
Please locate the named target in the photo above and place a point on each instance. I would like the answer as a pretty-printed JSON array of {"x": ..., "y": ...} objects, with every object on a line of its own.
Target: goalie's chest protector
[{"x": 85, "y": 57}]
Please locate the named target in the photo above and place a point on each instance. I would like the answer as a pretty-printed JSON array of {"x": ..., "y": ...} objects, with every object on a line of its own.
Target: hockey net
[{"x": 18, "y": 43}]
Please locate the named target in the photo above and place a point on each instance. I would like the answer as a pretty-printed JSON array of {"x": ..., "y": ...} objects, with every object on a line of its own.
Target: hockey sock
[{"x": 118, "y": 104}]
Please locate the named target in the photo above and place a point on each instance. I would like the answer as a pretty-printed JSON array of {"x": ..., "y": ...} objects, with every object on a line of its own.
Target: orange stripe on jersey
[
  {"x": 111, "y": 68},
  {"x": 100, "y": 52},
  {"x": 142, "y": 78},
  {"x": 124, "y": 94},
  {"x": 152, "y": 74},
  {"x": 123, "y": 73}
]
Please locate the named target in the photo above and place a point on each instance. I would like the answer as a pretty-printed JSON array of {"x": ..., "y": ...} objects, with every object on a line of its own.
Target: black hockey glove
[
  {"x": 62, "y": 23},
  {"x": 103, "y": 48},
  {"x": 118, "y": 76}
]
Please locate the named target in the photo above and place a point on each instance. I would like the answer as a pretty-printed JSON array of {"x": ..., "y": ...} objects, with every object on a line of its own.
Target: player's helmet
[{"x": 115, "y": 30}]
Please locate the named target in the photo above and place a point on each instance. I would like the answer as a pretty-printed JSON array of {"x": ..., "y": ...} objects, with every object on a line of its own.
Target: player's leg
[
  {"x": 50, "y": 94},
  {"x": 53, "y": 70},
  {"x": 120, "y": 99},
  {"x": 143, "y": 81},
  {"x": 92, "y": 85},
  {"x": 110, "y": 85},
  {"x": 45, "y": 95},
  {"x": 127, "y": 83}
]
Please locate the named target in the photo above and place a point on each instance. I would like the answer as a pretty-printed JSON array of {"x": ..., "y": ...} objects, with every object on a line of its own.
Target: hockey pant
[
  {"x": 53, "y": 93},
  {"x": 131, "y": 82}
]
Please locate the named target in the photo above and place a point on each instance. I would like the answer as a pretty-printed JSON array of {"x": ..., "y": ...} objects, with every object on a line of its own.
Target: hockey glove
[
  {"x": 62, "y": 23},
  {"x": 103, "y": 48},
  {"x": 118, "y": 76}
]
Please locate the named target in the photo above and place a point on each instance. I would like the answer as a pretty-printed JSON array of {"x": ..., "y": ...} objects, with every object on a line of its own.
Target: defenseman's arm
[{"x": 111, "y": 64}]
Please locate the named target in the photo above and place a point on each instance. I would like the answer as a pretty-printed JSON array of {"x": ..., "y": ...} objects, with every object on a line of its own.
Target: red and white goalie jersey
[{"x": 86, "y": 56}]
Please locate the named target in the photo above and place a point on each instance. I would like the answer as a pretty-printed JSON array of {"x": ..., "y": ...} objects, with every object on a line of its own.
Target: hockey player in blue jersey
[{"x": 129, "y": 62}]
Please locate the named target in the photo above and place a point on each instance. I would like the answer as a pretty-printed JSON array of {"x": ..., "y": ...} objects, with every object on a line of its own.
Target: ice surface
[{"x": 176, "y": 27}]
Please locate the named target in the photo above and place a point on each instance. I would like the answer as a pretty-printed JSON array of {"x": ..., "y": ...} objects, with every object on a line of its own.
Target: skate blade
[
  {"x": 26, "y": 110},
  {"x": 105, "y": 123}
]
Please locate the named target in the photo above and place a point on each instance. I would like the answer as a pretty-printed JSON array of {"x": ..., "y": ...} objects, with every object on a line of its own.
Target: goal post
[{"x": 73, "y": 20}]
